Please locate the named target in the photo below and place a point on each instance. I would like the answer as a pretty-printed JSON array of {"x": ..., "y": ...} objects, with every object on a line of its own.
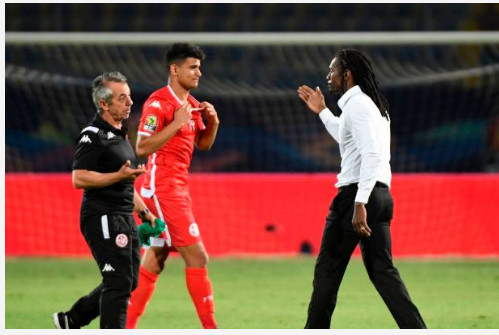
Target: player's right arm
[
  {"x": 150, "y": 143},
  {"x": 86, "y": 163},
  {"x": 92, "y": 179},
  {"x": 317, "y": 104}
]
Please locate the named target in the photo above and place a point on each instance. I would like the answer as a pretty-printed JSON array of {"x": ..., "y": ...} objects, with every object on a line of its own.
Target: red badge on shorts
[
  {"x": 193, "y": 229},
  {"x": 121, "y": 240}
]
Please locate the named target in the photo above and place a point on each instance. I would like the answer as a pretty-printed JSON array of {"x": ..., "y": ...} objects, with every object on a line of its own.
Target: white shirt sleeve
[
  {"x": 362, "y": 125},
  {"x": 331, "y": 122}
]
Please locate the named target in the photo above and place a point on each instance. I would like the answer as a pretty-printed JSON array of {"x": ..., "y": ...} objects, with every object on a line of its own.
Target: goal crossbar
[{"x": 257, "y": 38}]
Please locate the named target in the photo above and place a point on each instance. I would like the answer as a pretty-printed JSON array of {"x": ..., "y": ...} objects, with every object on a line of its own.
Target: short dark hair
[
  {"x": 363, "y": 75},
  {"x": 179, "y": 52}
]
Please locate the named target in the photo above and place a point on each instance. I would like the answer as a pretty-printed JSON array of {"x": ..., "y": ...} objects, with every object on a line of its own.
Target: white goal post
[{"x": 257, "y": 38}]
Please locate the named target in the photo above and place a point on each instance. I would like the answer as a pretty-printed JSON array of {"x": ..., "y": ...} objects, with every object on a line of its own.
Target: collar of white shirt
[{"x": 348, "y": 94}]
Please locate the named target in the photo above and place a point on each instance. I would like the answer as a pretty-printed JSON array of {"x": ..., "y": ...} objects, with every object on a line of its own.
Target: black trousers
[
  {"x": 115, "y": 245},
  {"x": 338, "y": 243}
]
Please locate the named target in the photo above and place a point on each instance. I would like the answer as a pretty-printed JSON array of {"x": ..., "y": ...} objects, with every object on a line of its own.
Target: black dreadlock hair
[{"x": 363, "y": 75}]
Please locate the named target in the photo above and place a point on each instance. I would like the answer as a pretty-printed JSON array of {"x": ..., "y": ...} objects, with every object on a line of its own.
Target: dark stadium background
[
  {"x": 439, "y": 125},
  {"x": 270, "y": 174}
]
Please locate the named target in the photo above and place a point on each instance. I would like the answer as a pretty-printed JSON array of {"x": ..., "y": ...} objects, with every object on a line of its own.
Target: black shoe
[{"x": 63, "y": 321}]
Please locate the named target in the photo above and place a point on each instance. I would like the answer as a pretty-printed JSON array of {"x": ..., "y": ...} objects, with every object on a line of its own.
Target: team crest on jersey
[
  {"x": 121, "y": 240},
  {"x": 151, "y": 123}
]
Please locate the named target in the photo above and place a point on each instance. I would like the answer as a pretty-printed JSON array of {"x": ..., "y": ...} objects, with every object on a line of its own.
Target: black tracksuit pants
[
  {"x": 115, "y": 245},
  {"x": 338, "y": 243}
]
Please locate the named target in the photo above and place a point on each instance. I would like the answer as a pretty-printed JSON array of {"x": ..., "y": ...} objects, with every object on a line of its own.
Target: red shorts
[{"x": 175, "y": 208}]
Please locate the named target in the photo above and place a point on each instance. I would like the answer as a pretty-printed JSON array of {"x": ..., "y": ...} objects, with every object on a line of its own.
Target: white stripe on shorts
[
  {"x": 105, "y": 226},
  {"x": 154, "y": 241}
]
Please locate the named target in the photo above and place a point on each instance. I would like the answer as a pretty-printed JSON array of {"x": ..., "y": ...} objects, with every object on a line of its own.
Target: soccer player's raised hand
[
  {"x": 183, "y": 115},
  {"x": 209, "y": 112},
  {"x": 313, "y": 98}
]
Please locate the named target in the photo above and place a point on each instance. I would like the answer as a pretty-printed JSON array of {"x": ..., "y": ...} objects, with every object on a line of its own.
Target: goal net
[{"x": 444, "y": 107}]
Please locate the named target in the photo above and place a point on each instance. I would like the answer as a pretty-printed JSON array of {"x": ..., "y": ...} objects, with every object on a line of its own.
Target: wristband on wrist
[{"x": 143, "y": 213}]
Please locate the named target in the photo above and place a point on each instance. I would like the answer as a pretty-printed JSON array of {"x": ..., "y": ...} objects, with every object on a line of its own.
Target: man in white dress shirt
[{"x": 363, "y": 208}]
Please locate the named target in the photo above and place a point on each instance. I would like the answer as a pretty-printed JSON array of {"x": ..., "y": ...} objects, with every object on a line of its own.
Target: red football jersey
[{"x": 168, "y": 167}]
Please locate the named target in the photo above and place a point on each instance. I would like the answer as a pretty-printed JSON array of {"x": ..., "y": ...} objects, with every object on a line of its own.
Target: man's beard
[{"x": 337, "y": 91}]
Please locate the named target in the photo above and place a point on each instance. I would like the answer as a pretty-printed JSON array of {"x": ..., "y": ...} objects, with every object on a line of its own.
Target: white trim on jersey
[
  {"x": 143, "y": 133},
  {"x": 174, "y": 95},
  {"x": 90, "y": 128}
]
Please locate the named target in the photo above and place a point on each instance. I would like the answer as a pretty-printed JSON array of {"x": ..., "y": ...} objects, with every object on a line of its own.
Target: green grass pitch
[{"x": 263, "y": 293}]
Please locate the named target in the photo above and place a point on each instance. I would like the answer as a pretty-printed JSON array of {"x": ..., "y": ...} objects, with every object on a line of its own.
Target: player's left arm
[
  {"x": 205, "y": 138},
  {"x": 362, "y": 126},
  {"x": 140, "y": 207}
]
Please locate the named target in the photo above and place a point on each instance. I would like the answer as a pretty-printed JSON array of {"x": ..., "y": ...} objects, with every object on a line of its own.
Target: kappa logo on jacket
[
  {"x": 107, "y": 268},
  {"x": 85, "y": 139},
  {"x": 110, "y": 135}
]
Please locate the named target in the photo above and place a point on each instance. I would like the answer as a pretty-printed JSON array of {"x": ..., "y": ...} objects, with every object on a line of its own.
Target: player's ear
[
  {"x": 347, "y": 75},
  {"x": 173, "y": 69},
  {"x": 103, "y": 105}
]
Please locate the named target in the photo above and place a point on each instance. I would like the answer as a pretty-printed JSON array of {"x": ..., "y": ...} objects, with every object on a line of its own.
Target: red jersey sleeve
[{"x": 155, "y": 116}]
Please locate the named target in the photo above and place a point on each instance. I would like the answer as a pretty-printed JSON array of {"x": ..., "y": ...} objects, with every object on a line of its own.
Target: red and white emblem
[
  {"x": 121, "y": 240},
  {"x": 193, "y": 229}
]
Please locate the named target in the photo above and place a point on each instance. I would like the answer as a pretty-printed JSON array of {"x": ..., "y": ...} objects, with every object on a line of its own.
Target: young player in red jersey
[{"x": 171, "y": 124}]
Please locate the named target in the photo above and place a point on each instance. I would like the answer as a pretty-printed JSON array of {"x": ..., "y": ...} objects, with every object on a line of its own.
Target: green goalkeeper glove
[{"x": 146, "y": 230}]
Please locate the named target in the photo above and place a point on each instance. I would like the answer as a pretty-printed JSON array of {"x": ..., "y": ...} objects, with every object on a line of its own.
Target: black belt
[{"x": 378, "y": 184}]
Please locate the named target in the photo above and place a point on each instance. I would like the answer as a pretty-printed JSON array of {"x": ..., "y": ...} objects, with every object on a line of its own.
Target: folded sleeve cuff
[
  {"x": 363, "y": 196},
  {"x": 326, "y": 115}
]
